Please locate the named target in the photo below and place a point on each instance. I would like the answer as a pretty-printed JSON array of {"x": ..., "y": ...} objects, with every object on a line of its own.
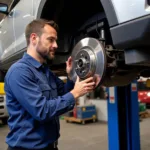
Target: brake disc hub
[{"x": 85, "y": 63}]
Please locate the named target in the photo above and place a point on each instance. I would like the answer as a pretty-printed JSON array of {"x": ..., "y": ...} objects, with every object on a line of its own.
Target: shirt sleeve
[
  {"x": 25, "y": 89},
  {"x": 64, "y": 88}
]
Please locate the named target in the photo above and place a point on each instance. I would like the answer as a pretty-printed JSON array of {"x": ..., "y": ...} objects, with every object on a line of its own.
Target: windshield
[{"x": 142, "y": 86}]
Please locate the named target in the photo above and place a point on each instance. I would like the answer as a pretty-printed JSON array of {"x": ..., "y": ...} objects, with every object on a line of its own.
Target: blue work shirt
[{"x": 35, "y": 99}]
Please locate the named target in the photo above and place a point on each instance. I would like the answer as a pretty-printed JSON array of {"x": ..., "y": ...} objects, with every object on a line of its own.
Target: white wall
[{"x": 101, "y": 107}]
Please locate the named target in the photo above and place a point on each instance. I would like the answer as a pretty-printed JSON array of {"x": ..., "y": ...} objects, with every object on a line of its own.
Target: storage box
[
  {"x": 84, "y": 112},
  {"x": 142, "y": 107}
]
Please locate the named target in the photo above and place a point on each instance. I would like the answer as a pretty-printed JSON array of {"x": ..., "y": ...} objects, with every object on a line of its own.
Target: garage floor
[{"x": 92, "y": 136}]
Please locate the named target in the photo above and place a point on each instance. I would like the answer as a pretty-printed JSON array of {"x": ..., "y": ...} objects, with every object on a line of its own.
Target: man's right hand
[{"x": 83, "y": 87}]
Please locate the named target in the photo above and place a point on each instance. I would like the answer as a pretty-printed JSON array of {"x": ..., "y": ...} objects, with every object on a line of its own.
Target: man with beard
[{"x": 35, "y": 97}]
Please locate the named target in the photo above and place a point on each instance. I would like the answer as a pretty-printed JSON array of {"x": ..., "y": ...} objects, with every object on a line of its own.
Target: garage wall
[{"x": 101, "y": 106}]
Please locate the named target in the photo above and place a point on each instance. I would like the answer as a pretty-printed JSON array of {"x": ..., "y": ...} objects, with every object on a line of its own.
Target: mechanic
[{"x": 35, "y": 96}]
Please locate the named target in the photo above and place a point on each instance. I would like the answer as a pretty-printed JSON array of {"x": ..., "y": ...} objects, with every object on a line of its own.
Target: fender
[
  {"x": 40, "y": 8},
  {"x": 110, "y": 12}
]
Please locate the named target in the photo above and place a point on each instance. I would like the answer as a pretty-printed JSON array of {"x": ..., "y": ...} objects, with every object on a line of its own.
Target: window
[{"x": 8, "y": 2}]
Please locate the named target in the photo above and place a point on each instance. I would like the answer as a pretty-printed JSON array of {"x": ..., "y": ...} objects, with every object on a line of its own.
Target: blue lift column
[{"x": 123, "y": 118}]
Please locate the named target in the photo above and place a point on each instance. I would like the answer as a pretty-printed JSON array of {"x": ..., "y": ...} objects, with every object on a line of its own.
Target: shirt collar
[{"x": 31, "y": 60}]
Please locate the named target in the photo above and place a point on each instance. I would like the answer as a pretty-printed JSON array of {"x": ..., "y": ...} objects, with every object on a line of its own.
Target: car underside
[{"x": 115, "y": 52}]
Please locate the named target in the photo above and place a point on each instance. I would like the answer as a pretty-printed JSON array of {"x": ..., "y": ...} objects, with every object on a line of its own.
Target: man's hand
[
  {"x": 83, "y": 87},
  {"x": 69, "y": 66}
]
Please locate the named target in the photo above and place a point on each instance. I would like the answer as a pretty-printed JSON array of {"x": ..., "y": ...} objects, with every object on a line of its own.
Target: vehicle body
[
  {"x": 3, "y": 109},
  {"x": 143, "y": 92},
  {"x": 122, "y": 27}
]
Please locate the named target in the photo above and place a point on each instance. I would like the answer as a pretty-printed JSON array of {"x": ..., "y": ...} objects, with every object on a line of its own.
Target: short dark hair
[{"x": 36, "y": 26}]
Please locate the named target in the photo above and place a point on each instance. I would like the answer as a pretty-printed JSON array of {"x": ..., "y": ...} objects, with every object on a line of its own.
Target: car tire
[{"x": 4, "y": 120}]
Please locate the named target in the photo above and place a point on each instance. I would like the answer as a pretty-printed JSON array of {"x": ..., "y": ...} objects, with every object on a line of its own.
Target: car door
[
  {"x": 23, "y": 15},
  {"x": 7, "y": 39}
]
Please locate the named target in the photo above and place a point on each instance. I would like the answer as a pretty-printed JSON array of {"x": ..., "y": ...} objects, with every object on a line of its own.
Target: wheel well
[
  {"x": 70, "y": 13},
  {"x": 70, "y": 16}
]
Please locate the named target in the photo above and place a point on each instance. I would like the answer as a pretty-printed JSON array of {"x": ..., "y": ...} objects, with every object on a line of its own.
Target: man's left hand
[{"x": 69, "y": 65}]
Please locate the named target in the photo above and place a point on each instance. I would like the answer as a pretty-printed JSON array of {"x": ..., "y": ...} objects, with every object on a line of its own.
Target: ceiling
[{"x": 6, "y": 2}]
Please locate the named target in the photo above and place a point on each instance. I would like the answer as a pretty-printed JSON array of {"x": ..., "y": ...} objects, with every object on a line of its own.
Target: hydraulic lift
[
  {"x": 123, "y": 118},
  {"x": 91, "y": 58}
]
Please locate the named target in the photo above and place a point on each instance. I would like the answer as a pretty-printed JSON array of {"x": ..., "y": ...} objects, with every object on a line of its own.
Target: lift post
[{"x": 123, "y": 118}]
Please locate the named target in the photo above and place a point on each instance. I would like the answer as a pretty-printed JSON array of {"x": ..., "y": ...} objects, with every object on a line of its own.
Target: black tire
[
  {"x": 147, "y": 105},
  {"x": 4, "y": 120},
  {"x": 2, "y": 76}
]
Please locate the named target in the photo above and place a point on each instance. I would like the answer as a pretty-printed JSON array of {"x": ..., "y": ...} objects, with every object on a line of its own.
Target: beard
[{"x": 45, "y": 53}]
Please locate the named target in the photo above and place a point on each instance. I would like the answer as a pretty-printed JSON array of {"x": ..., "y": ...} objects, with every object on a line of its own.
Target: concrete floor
[{"x": 92, "y": 136}]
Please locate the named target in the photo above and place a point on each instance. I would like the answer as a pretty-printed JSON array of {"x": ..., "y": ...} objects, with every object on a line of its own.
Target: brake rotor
[{"x": 89, "y": 59}]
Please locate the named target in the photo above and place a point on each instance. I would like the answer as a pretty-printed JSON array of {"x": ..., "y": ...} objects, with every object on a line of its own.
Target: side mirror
[{"x": 3, "y": 8}]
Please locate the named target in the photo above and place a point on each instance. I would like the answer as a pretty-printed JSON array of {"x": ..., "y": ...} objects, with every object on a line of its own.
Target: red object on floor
[{"x": 75, "y": 112}]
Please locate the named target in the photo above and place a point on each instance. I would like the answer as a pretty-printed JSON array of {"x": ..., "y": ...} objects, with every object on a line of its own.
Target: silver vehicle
[
  {"x": 110, "y": 38},
  {"x": 3, "y": 109}
]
